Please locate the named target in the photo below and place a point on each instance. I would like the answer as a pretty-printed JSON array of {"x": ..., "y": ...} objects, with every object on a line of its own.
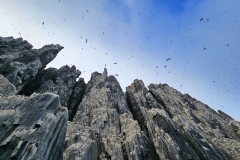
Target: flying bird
[
  {"x": 115, "y": 63},
  {"x": 201, "y": 19},
  {"x": 168, "y": 59},
  {"x": 204, "y": 48},
  {"x": 86, "y": 40},
  {"x": 19, "y": 33},
  {"x": 87, "y": 10},
  {"x": 42, "y": 23},
  {"x": 116, "y": 75}
]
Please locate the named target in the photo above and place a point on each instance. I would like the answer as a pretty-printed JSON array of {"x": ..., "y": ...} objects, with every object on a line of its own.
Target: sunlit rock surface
[
  {"x": 104, "y": 126},
  {"x": 52, "y": 114}
]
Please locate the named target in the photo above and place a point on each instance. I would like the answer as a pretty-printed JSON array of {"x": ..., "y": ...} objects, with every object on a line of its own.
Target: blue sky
[{"x": 139, "y": 35}]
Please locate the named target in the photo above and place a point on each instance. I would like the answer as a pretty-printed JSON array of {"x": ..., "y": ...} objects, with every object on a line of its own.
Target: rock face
[
  {"x": 19, "y": 62},
  {"x": 154, "y": 123},
  {"x": 104, "y": 126},
  {"x": 59, "y": 81},
  {"x": 209, "y": 135},
  {"x": 32, "y": 127}
]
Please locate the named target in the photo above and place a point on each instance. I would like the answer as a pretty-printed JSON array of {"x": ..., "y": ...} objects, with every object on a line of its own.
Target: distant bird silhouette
[
  {"x": 207, "y": 19},
  {"x": 86, "y": 40},
  {"x": 19, "y": 33},
  {"x": 116, "y": 75},
  {"x": 165, "y": 66},
  {"x": 87, "y": 10},
  {"x": 42, "y": 23},
  {"x": 168, "y": 59},
  {"x": 201, "y": 19},
  {"x": 227, "y": 45},
  {"x": 115, "y": 63},
  {"x": 204, "y": 48}
]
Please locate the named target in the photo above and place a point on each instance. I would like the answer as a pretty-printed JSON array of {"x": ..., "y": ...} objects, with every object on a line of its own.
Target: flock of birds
[{"x": 132, "y": 56}]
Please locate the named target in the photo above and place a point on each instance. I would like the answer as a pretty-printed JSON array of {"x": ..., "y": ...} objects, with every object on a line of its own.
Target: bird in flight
[
  {"x": 201, "y": 19},
  {"x": 19, "y": 33},
  {"x": 168, "y": 59},
  {"x": 86, "y": 40},
  {"x": 204, "y": 48},
  {"x": 87, "y": 10},
  {"x": 115, "y": 63},
  {"x": 116, "y": 75}
]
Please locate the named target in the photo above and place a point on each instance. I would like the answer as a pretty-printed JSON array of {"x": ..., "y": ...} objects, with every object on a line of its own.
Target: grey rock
[
  {"x": 6, "y": 88},
  {"x": 204, "y": 129},
  {"x": 32, "y": 127},
  {"x": 76, "y": 98},
  {"x": 19, "y": 62},
  {"x": 59, "y": 81},
  {"x": 157, "y": 124},
  {"x": 104, "y": 125}
]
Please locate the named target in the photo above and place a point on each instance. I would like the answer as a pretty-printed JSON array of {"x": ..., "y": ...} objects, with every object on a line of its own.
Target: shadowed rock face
[
  {"x": 104, "y": 123},
  {"x": 19, "y": 62},
  {"x": 59, "y": 81}
]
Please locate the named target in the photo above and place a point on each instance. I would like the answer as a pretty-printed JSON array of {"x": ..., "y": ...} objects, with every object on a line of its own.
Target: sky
[{"x": 191, "y": 45}]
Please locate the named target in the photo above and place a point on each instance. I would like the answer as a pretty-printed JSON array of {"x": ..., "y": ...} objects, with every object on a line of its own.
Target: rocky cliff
[{"x": 49, "y": 114}]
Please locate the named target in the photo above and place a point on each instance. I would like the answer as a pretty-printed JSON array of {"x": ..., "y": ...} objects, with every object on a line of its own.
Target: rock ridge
[{"x": 52, "y": 114}]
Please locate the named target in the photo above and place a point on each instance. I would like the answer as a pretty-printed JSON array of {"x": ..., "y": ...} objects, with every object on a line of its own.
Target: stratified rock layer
[
  {"x": 157, "y": 124},
  {"x": 104, "y": 127},
  {"x": 32, "y": 127},
  {"x": 208, "y": 134}
]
